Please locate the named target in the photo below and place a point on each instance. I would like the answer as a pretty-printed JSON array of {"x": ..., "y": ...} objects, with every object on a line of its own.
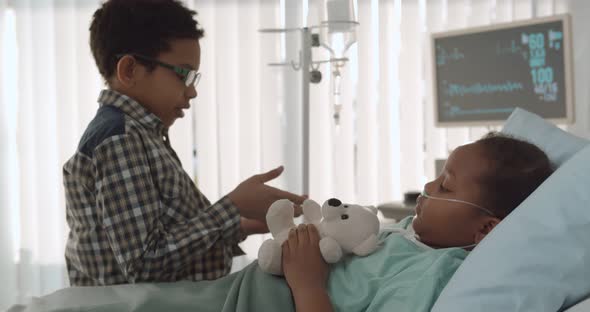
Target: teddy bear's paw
[
  {"x": 279, "y": 216},
  {"x": 270, "y": 257},
  {"x": 312, "y": 212},
  {"x": 330, "y": 249}
]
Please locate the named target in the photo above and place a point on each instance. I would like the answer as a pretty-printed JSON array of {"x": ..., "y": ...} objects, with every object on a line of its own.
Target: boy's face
[
  {"x": 162, "y": 91},
  {"x": 441, "y": 223}
]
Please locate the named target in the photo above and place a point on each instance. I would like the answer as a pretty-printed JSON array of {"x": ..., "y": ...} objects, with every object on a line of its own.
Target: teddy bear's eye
[{"x": 344, "y": 217}]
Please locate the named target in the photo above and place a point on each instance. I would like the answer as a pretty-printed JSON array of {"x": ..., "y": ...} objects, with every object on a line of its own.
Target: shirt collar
[{"x": 132, "y": 108}]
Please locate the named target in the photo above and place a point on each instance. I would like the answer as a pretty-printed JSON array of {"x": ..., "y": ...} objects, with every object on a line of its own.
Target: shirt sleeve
[{"x": 145, "y": 248}]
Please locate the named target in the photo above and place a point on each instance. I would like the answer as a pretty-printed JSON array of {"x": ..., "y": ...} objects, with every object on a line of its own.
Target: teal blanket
[
  {"x": 399, "y": 276},
  {"x": 246, "y": 290}
]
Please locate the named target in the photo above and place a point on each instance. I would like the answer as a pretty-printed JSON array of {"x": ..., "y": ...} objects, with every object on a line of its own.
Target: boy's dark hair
[
  {"x": 518, "y": 168},
  {"x": 138, "y": 26}
]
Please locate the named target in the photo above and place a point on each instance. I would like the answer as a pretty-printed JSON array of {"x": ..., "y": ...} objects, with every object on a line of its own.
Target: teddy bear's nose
[{"x": 334, "y": 202}]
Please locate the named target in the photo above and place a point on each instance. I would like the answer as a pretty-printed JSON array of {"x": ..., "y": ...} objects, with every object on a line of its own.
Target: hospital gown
[{"x": 399, "y": 276}]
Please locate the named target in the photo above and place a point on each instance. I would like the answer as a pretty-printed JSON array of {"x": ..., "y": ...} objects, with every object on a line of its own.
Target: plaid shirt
[{"x": 134, "y": 213}]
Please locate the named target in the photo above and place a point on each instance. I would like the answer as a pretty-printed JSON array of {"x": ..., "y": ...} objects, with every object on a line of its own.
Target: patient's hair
[
  {"x": 143, "y": 27},
  {"x": 517, "y": 169}
]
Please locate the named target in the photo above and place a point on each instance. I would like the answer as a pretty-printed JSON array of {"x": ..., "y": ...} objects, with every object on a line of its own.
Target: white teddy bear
[{"x": 344, "y": 229}]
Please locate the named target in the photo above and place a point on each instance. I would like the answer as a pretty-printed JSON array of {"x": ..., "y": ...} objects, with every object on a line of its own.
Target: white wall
[{"x": 580, "y": 11}]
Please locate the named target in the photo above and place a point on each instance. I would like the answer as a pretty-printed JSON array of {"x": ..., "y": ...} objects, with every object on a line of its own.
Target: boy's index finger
[{"x": 280, "y": 194}]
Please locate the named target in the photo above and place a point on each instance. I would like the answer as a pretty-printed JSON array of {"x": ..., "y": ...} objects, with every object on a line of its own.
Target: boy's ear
[
  {"x": 126, "y": 70},
  {"x": 488, "y": 224}
]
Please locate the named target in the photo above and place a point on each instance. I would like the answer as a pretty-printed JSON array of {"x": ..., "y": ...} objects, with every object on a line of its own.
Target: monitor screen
[{"x": 482, "y": 74}]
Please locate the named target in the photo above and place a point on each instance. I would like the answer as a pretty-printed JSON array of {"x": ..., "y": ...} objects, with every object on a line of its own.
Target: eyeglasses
[
  {"x": 487, "y": 211},
  {"x": 190, "y": 77}
]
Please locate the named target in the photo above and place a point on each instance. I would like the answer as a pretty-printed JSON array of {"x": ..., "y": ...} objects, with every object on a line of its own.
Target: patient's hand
[
  {"x": 303, "y": 264},
  {"x": 305, "y": 269},
  {"x": 253, "y": 197}
]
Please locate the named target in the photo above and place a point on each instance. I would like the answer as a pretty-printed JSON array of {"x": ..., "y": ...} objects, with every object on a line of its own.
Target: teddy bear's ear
[{"x": 373, "y": 209}]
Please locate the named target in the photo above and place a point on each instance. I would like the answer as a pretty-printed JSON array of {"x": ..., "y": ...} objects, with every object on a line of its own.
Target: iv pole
[
  {"x": 309, "y": 74},
  {"x": 305, "y": 80}
]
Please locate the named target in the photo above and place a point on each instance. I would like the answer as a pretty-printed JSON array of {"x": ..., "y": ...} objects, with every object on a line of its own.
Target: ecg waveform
[
  {"x": 443, "y": 57},
  {"x": 512, "y": 48},
  {"x": 454, "y": 89},
  {"x": 457, "y": 111}
]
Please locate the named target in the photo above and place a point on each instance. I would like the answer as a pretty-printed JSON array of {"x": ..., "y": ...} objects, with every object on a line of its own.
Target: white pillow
[
  {"x": 583, "y": 306},
  {"x": 537, "y": 259},
  {"x": 556, "y": 143}
]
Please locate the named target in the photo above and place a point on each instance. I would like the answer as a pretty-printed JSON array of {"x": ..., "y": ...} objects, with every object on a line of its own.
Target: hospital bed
[{"x": 537, "y": 259}]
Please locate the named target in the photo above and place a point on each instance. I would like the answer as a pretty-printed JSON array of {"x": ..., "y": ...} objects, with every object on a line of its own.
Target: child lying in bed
[{"x": 481, "y": 184}]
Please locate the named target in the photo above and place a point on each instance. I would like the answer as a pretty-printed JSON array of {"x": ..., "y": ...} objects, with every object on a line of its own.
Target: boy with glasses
[{"x": 134, "y": 214}]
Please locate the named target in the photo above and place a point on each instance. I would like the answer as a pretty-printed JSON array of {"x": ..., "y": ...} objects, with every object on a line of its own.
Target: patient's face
[{"x": 442, "y": 223}]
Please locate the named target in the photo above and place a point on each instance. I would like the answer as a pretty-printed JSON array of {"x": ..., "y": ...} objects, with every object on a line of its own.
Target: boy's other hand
[
  {"x": 251, "y": 226},
  {"x": 253, "y": 197},
  {"x": 303, "y": 264}
]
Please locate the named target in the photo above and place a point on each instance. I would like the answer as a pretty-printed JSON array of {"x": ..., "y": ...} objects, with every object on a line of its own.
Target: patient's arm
[
  {"x": 305, "y": 269},
  {"x": 312, "y": 300}
]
